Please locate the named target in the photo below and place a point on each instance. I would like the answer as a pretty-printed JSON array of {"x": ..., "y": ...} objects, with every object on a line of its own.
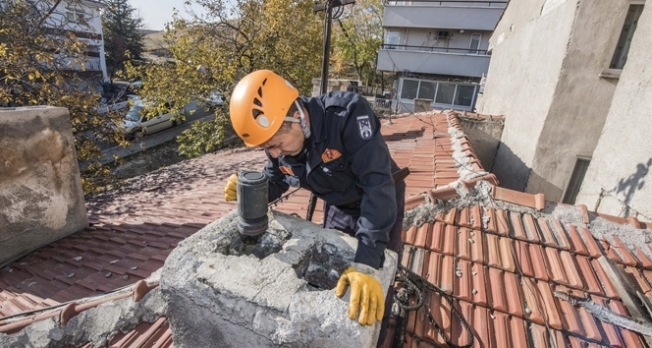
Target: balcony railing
[
  {"x": 436, "y": 49},
  {"x": 450, "y": 3}
]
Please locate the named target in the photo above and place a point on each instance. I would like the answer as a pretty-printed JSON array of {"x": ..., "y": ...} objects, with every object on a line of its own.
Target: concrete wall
[
  {"x": 617, "y": 181},
  {"x": 529, "y": 47},
  {"x": 582, "y": 98},
  {"x": 484, "y": 136},
  {"x": 41, "y": 198}
]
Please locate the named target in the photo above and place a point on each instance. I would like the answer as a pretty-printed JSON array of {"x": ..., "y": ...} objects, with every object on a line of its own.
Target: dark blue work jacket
[{"x": 346, "y": 163}]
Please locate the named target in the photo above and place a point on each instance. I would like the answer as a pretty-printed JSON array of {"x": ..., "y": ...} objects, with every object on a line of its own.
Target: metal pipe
[{"x": 252, "y": 203}]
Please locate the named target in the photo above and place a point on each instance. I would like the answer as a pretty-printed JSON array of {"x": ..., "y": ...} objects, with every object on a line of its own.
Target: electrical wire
[{"x": 416, "y": 284}]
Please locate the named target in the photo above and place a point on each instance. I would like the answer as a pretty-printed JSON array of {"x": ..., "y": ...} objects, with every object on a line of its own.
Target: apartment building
[
  {"x": 82, "y": 18},
  {"x": 437, "y": 50}
]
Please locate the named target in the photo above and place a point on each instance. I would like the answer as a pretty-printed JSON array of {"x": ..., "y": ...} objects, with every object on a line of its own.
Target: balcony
[
  {"x": 93, "y": 64},
  {"x": 467, "y": 15},
  {"x": 433, "y": 60}
]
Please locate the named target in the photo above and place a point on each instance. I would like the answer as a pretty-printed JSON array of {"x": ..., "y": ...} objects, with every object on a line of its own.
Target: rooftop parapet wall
[
  {"x": 41, "y": 199},
  {"x": 484, "y": 133},
  {"x": 277, "y": 291}
]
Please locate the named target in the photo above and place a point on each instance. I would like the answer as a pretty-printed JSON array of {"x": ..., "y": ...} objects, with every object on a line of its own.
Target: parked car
[
  {"x": 212, "y": 102},
  {"x": 106, "y": 104},
  {"x": 136, "y": 126},
  {"x": 215, "y": 99}
]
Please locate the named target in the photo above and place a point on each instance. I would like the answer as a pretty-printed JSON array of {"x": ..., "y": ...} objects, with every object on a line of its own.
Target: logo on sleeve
[
  {"x": 330, "y": 155},
  {"x": 364, "y": 126},
  {"x": 286, "y": 170}
]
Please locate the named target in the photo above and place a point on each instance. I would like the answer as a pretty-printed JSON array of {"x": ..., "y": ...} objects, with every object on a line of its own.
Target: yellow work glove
[
  {"x": 366, "y": 293},
  {"x": 230, "y": 189}
]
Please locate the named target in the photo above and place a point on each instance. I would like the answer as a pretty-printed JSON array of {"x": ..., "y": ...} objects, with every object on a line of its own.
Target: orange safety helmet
[{"x": 259, "y": 104}]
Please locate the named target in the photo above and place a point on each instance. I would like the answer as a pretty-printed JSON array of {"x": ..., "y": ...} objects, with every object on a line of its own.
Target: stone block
[
  {"x": 41, "y": 198},
  {"x": 274, "y": 291}
]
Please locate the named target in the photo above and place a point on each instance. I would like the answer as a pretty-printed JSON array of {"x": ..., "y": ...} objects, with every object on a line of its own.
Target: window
[
  {"x": 392, "y": 39},
  {"x": 427, "y": 90},
  {"x": 442, "y": 38},
  {"x": 620, "y": 55},
  {"x": 474, "y": 45},
  {"x": 409, "y": 90},
  {"x": 445, "y": 93},
  {"x": 443, "y": 35},
  {"x": 74, "y": 15},
  {"x": 573, "y": 188},
  {"x": 464, "y": 95}
]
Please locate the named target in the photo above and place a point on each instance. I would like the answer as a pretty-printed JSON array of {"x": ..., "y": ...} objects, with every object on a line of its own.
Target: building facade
[
  {"x": 437, "y": 50},
  {"x": 82, "y": 18},
  {"x": 617, "y": 180},
  {"x": 556, "y": 66}
]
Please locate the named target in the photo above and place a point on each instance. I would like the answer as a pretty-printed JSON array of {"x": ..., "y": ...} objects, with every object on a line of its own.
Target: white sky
[{"x": 155, "y": 13}]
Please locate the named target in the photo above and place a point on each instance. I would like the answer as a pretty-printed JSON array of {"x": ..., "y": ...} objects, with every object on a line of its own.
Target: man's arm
[{"x": 371, "y": 163}]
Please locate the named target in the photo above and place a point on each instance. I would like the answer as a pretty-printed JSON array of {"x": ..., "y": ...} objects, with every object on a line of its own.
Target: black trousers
[{"x": 338, "y": 219}]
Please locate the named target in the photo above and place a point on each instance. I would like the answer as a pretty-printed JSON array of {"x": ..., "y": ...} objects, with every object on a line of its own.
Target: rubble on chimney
[{"x": 278, "y": 290}]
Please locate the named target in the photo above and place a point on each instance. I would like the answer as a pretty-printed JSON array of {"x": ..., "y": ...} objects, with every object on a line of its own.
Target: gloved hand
[
  {"x": 366, "y": 293},
  {"x": 231, "y": 188}
]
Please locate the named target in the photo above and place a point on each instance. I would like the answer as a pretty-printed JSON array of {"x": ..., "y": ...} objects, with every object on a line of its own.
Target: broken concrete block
[{"x": 278, "y": 290}]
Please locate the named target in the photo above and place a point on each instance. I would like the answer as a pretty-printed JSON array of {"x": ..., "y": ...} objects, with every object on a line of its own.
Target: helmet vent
[
  {"x": 260, "y": 92},
  {"x": 256, "y": 113},
  {"x": 258, "y": 102}
]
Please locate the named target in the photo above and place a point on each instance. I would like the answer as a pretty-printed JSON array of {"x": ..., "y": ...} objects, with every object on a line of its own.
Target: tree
[
  {"x": 41, "y": 60},
  {"x": 357, "y": 37},
  {"x": 122, "y": 39},
  {"x": 213, "y": 51}
]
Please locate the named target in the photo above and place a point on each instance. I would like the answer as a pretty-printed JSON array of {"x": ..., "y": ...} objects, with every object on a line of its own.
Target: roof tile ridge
[
  {"x": 66, "y": 311},
  {"x": 536, "y": 201},
  {"x": 469, "y": 166},
  {"x": 631, "y": 220},
  {"x": 479, "y": 190},
  {"x": 448, "y": 191},
  {"x": 588, "y": 216},
  {"x": 477, "y": 115}
]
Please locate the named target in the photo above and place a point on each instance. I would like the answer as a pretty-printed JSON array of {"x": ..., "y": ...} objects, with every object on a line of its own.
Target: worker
[{"x": 330, "y": 145}]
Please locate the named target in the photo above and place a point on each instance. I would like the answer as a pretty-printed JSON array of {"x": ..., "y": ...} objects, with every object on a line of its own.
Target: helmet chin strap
[{"x": 304, "y": 126}]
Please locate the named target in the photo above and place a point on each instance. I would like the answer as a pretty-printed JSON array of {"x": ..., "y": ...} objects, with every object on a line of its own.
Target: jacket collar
[{"x": 316, "y": 113}]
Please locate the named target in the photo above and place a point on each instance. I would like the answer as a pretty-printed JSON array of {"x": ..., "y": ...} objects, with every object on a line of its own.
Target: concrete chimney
[{"x": 225, "y": 290}]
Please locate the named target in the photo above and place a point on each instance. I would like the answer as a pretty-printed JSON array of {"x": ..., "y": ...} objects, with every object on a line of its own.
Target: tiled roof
[
  {"x": 501, "y": 259},
  {"x": 502, "y": 265}
]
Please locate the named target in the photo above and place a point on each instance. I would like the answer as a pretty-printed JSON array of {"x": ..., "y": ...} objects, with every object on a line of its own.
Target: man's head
[
  {"x": 259, "y": 106},
  {"x": 289, "y": 139}
]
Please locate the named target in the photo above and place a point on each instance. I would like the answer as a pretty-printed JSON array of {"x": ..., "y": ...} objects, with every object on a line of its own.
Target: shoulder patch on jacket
[
  {"x": 330, "y": 155},
  {"x": 286, "y": 170},
  {"x": 364, "y": 127}
]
